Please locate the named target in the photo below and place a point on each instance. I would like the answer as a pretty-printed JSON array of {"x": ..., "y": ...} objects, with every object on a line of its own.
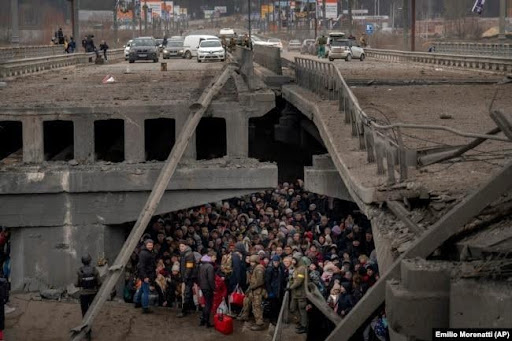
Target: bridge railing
[
  {"x": 17, "y": 67},
  {"x": 500, "y": 64},
  {"x": 22, "y": 52},
  {"x": 479, "y": 49},
  {"x": 325, "y": 79}
]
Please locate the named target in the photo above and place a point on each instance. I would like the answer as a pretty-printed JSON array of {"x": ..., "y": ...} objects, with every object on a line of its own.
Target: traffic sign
[{"x": 369, "y": 29}]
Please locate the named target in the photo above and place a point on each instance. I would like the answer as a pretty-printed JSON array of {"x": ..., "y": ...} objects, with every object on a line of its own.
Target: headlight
[
  {"x": 165, "y": 51},
  {"x": 181, "y": 51}
]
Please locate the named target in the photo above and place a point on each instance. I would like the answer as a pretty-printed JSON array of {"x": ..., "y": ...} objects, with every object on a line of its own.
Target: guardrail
[
  {"x": 283, "y": 318},
  {"x": 268, "y": 57},
  {"x": 22, "y": 52},
  {"x": 451, "y": 60},
  {"x": 24, "y": 66},
  {"x": 476, "y": 49},
  {"x": 325, "y": 79}
]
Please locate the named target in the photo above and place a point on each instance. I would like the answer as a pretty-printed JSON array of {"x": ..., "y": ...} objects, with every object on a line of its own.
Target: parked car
[
  {"x": 210, "y": 50},
  {"x": 333, "y": 36},
  {"x": 294, "y": 45},
  {"x": 276, "y": 42},
  {"x": 306, "y": 44},
  {"x": 127, "y": 49},
  {"x": 143, "y": 48},
  {"x": 177, "y": 38},
  {"x": 174, "y": 48},
  {"x": 191, "y": 44},
  {"x": 345, "y": 49}
]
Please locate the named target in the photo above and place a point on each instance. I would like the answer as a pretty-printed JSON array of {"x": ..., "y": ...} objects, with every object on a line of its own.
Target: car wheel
[
  {"x": 362, "y": 57},
  {"x": 155, "y": 60},
  {"x": 188, "y": 55},
  {"x": 132, "y": 61},
  {"x": 222, "y": 60},
  {"x": 331, "y": 59},
  {"x": 198, "y": 60},
  {"x": 349, "y": 58}
]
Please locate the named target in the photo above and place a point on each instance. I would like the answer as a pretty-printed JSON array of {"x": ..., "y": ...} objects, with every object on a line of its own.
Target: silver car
[
  {"x": 174, "y": 48},
  {"x": 345, "y": 49},
  {"x": 294, "y": 45},
  {"x": 143, "y": 48}
]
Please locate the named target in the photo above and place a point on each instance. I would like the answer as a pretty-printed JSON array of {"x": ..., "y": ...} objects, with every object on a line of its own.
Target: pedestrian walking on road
[
  {"x": 104, "y": 47},
  {"x": 322, "y": 41}
]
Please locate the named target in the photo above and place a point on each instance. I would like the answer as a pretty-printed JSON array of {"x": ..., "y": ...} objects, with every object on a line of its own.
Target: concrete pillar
[
  {"x": 84, "y": 140},
  {"x": 33, "y": 140},
  {"x": 503, "y": 14},
  {"x": 15, "y": 30},
  {"x": 191, "y": 151},
  {"x": 75, "y": 9},
  {"x": 237, "y": 131},
  {"x": 134, "y": 139}
]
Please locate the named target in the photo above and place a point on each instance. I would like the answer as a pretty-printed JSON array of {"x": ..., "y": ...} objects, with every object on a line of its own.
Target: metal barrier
[
  {"x": 24, "y": 66},
  {"x": 22, "y": 52},
  {"x": 475, "y": 49},
  {"x": 499, "y": 64},
  {"x": 283, "y": 317},
  {"x": 325, "y": 79},
  {"x": 268, "y": 57}
]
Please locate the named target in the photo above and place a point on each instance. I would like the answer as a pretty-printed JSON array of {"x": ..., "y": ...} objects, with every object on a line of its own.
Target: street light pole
[{"x": 250, "y": 34}]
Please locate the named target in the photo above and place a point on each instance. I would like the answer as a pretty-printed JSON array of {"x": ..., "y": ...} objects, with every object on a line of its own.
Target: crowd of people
[{"x": 256, "y": 247}]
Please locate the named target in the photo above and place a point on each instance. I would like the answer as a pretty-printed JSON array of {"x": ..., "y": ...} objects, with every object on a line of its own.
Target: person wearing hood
[
  {"x": 147, "y": 273},
  {"x": 298, "y": 291},
  {"x": 188, "y": 269},
  {"x": 239, "y": 269},
  {"x": 255, "y": 294},
  {"x": 275, "y": 282},
  {"x": 206, "y": 281}
]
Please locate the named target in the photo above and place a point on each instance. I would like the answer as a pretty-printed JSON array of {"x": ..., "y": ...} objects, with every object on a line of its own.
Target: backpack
[
  {"x": 87, "y": 278},
  {"x": 226, "y": 264}
]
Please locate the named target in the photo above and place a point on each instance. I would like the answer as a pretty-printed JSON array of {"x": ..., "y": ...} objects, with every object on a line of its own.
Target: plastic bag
[{"x": 237, "y": 297}]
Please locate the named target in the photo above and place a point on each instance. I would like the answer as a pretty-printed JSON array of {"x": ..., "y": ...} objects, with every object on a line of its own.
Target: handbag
[
  {"x": 223, "y": 323},
  {"x": 237, "y": 296},
  {"x": 200, "y": 298}
]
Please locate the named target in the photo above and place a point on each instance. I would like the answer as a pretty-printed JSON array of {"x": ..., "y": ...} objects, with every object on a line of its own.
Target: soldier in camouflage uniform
[
  {"x": 298, "y": 292},
  {"x": 255, "y": 294}
]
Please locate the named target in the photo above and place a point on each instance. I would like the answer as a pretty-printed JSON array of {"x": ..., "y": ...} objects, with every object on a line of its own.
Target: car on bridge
[
  {"x": 127, "y": 49},
  {"x": 143, "y": 48},
  {"x": 276, "y": 42},
  {"x": 174, "y": 48},
  {"x": 294, "y": 45},
  {"x": 345, "y": 49},
  {"x": 308, "y": 47},
  {"x": 192, "y": 42},
  {"x": 210, "y": 50}
]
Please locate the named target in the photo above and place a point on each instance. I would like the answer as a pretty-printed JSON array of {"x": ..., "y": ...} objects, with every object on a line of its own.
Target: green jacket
[{"x": 297, "y": 282}]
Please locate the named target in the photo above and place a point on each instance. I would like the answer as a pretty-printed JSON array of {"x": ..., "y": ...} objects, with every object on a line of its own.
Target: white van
[{"x": 191, "y": 44}]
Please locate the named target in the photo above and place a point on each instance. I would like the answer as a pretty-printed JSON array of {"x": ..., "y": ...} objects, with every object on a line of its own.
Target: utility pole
[
  {"x": 145, "y": 18},
  {"x": 503, "y": 14},
  {"x": 350, "y": 4},
  {"x": 405, "y": 21},
  {"x": 116, "y": 6},
  {"x": 75, "y": 8},
  {"x": 324, "y": 15},
  {"x": 15, "y": 29},
  {"x": 134, "y": 23},
  {"x": 413, "y": 25},
  {"x": 250, "y": 33}
]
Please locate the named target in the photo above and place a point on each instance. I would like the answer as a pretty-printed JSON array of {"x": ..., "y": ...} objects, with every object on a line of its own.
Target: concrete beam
[
  {"x": 134, "y": 150},
  {"x": 83, "y": 140},
  {"x": 326, "y": 182},
  {"x": 205, "y": 175}
]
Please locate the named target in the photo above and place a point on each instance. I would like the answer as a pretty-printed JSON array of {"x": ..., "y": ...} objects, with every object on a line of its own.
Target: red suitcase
[{"x": 223, "y": 323}]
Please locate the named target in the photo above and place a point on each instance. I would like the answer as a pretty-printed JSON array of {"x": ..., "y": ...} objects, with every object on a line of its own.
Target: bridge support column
[
  {"x": 33, "y": 140},
  {"x": 84, "y": 140},
  {"x": 134, "y": 139},
  {"x": 191, "y": 151},
  {"x": 237, "y": 130}
]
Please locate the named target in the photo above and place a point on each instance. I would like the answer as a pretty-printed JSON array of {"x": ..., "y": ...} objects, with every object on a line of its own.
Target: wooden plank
[
  {"x": 447, "y": 226},
  {"x": 401, "y": 213},
  {"x": 315, "y": 297},
  {"x": 197, "y": 111},
  {"x": 504, "y": 121}
]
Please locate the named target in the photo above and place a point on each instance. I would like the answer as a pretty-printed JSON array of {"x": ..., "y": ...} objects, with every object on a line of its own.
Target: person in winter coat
[
  {"x": 345, "y": 302},
  {"x": 239, "y": 268},
  {"x": 188, "y": 269},
  {"x": 298, "y": 291},
  {"x": 206, "y": 281},
  {"x": 221, "y": 291},
  {"x": 146, "y": 269},
  {"x": 275, "y": 283},
  {"x": 255, "y": 294}
]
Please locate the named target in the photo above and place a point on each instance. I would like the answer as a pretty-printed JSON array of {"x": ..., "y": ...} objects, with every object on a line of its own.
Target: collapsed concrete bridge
[{"x": 101, "y": 163}]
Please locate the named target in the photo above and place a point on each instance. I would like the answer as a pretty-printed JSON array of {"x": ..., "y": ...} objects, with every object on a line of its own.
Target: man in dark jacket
[
  {"x": 147, "y": 272},
  {"x": 275, "y": 282},
  {"x": 239, "y": 274},
  {"x": 188, "y": 269},
  {"x": 88, "y": 279},
  {"x": 206, "y": 281}
]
